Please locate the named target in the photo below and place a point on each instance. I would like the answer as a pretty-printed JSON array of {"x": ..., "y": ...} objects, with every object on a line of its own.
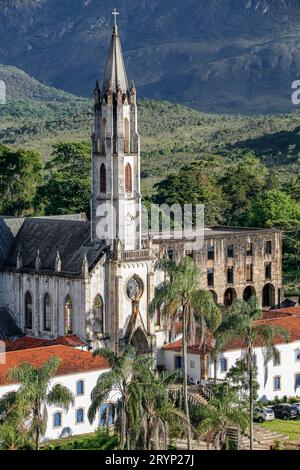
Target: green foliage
[
  {"x": 244, "y": 179},
  {"x": 275, "y": 208},
  {"x": 67, "y": 186},
  {"x": 223, "y": 410},
  {"x": 20, "y": 175},
  {"x": 195, "y": 184},
  {"x": 239, "y": 380},
  {"x": 35, "y": 395},
  {"x": 98, "y": 441}
]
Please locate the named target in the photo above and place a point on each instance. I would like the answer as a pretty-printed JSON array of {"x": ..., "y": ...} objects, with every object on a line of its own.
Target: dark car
[{"x": 285, "y": 411}]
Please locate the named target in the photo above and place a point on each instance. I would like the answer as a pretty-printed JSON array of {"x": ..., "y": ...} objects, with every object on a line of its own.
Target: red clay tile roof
[
  {"x": 27, "y": 342},
  {"x": 287, "y": 318},
  {"x": 177, "y": 346},
  {"x": 72, "y": 360}
]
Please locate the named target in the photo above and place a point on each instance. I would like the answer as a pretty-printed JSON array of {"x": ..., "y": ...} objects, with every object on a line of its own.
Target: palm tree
[
  {"x": 14, "y": 432},
  {"x": 156, "y": 413},
  {"x": 117, "y": 380},
  {"x": 241, "y": 321},
  {"x": 181, "y": 294},
  {"x": 223, "y": 410},
  {"x": 36, "y": 392}
]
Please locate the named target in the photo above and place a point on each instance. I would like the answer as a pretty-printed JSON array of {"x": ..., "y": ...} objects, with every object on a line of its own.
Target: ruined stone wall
[{"x": 221, "y": 263}]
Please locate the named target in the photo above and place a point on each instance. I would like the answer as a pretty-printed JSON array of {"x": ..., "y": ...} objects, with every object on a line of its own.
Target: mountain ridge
[{"x": 228, "y": 56}]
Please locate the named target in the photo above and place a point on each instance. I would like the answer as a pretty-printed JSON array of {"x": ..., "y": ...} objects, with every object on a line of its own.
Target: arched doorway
[
  {"x": 268, "y": 296},
  {"x": 214, "y": 296},
  {"x": 248, "y": 293},
  {"x": 229, "y": 297},
  {"x": 140, "y": 342}
]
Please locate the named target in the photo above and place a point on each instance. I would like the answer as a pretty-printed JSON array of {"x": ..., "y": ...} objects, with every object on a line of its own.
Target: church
[{"x": 62, "y": 275}]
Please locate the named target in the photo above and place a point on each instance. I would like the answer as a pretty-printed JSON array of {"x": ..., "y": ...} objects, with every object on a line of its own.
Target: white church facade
[{"x": 95, "y": 279}]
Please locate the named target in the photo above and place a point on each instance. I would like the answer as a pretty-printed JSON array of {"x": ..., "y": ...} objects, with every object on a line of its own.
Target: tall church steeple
[
  {"x": 116, "y": 156},
  {"x": 115, "y": 77}
]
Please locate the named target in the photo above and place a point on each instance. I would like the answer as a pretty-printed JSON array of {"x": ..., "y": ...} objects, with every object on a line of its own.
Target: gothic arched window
[
  {"x": 47, "y": 313},
  {"x": 126, "y": 136},
  {"x": 128, "y": 178},
  {"x": 98, "y": 314},
  {"x": 68, "y": 316},
  {"x": 28, "y": 311},
  {"x": 102, "y": 179}
]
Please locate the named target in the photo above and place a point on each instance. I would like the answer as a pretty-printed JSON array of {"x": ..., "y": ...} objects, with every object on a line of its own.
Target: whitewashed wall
[
  {"x": 69, "y": 418},
  {"x": 193, "y": 360},
  {"x": 287, "y": 369}
]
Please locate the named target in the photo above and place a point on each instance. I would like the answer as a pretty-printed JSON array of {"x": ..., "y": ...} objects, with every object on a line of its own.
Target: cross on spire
[{"x": 115, "y": 13}]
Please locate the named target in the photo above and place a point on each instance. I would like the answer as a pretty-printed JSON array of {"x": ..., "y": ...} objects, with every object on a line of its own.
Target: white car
[{"x": 262, "y": 414}]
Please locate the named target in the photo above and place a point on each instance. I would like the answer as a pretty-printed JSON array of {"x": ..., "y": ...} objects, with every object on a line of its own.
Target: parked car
[
  {"x": 298, "y": 406},
  {"x": 263, "y": 413},
  {"x": 285, "y": 411}
]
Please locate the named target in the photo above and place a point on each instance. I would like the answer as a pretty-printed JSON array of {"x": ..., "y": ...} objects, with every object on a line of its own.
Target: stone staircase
[{"x": 264, "y": 439}]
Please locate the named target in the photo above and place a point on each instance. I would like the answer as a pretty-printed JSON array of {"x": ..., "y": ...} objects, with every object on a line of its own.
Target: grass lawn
[{"x": 290, "y": 428}]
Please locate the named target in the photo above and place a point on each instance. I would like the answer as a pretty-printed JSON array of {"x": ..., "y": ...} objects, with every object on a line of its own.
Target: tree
[
  {"x": 34, "y": 391},
  {"x": 14, "y": 413},
  {"x": 237, "y": 377},
  {"x": 275, "y": 209},
  {"x": 20, "y": 175},
  {"x": 67, "y": 186},
  {"x": 196, "y": 183},
  {"x": 117, "y": 380},
  {"x": 243, "y": 181},
  {"x": 222, "y": 411},
  {"x": 150, "y": 422},
  {"x": 181, "y": 295},
  {"x": 242, "y": 319}
]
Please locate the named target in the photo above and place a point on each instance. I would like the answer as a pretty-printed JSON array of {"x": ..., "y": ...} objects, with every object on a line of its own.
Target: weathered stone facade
[{"x": 225, "y": 249}]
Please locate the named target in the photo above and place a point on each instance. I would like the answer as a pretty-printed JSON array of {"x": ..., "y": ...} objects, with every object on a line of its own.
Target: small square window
[
  {"x": 230, "y": 276},
  {"x": 211, "y": 253},
  {"x": 210, "y": 278},
  {"x": 80, "y": 387},
  {"x": 249, "y": 272},
  {"x": 79, "y": 416},
  {"x": 268, "y": 271},
  {"x": 223, "y": 364},
  {"x": 230, "y": 251},
  {"x": 277, "y": 383},
  {"x": 57, "y": 420},
  {"x": 178, "y": 362},
  {"x": 170, "y": 254},
  {"x": 249, "y": 249},
  {"x": 268, "y": 248}
]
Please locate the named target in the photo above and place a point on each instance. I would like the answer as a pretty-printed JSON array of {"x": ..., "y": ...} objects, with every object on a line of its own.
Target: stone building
[{"x": 95, "y": 279}]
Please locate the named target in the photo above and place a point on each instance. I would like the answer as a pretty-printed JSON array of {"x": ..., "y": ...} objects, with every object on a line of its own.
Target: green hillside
[{"x": 37, "y": 116}]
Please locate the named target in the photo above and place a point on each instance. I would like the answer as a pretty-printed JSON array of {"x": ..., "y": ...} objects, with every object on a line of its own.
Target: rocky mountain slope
[{"x": 223, "y": 56}]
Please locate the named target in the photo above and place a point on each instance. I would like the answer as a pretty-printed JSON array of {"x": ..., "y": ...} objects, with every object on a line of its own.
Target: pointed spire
[
  {"x": 97, "y": 93},
  {"x": 57, "y": 263},
  {"x": 115, "y": 74}
]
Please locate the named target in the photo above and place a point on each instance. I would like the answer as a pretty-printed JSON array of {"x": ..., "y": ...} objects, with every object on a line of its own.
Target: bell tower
[{"x": 116, "y": 195}]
